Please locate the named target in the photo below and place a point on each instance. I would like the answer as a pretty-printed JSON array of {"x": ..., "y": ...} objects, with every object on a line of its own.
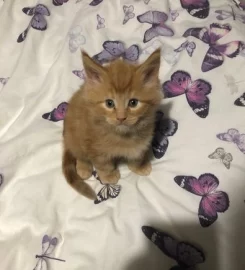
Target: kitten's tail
[{"x": 70, "y": 172}]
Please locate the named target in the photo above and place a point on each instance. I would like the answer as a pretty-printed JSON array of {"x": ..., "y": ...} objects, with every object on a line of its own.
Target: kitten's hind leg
[
  {"x": 84, "y": 169},
  {"x": 107, "y": 172},
  {"x": 140, "y": 167}
]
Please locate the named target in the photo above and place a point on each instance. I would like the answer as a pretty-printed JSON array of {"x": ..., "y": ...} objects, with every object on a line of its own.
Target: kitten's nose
[{"x": 121, "y": 119}]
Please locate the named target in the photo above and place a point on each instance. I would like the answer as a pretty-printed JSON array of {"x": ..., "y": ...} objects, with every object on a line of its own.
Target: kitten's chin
[{"x": 123, "y": 129}]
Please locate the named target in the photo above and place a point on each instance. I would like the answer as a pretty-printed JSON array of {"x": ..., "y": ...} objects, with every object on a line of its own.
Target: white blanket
[{"x": 196, "y": 191}]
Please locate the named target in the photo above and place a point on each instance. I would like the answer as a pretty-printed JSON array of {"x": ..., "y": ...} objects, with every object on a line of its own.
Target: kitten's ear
[
  {"x": 149, "y": 70},
  {"x": 93, "y": 70}
]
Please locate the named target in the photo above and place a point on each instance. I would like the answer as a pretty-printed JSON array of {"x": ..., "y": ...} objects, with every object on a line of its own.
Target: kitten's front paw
[
  {"x": 142, "y": 170},
  {"x": 110, "y": 177},
  {"x": 84, "y": 170}
]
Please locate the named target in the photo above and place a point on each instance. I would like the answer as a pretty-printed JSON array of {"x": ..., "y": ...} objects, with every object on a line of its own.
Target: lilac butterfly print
[
  {"x": 107, "y": 191},
  {"x": 185, "y": 254},
  {"x": 196, "y": 8},
  {"x": 38, "y": 20},
  {"x": 163, "y": 129},
  {"x": 57, "y": 114},
  {"x": 157, "y": 19},
  {"x": 101, "y": 22},
  {"x": 195, "y": 91},
  {"x": 173, "y": 14},
  {"x": 95, "y": 2},
  {"x": 3, "y": 81},
  {"x": 212, "y": 202},
  {"x": 59, "y": 2},
  {"x": 240, "y": 4},
  {"x": 147, "y": 1},
  {"x": 216, "y": 52},
  {"x": 48, "y": 246},
  {"x": 240, "y": 101},
  {"x": 128, "y": 13},
  {"x": 224, "y": 15},
  {"x": 188, "y": 46},
  {"x": 233, "y": 136},
  {"x": 79, "y": 73},
  {"x": 116, "y": 49}
]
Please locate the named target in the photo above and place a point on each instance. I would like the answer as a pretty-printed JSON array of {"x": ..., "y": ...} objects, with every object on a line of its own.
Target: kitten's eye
[
  {"x": 110, "y": 103},
  {"x": 133, "y": 103}
]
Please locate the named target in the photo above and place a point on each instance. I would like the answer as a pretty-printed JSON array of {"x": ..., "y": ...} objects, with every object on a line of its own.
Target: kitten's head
[{"x": 123, "y": 95}]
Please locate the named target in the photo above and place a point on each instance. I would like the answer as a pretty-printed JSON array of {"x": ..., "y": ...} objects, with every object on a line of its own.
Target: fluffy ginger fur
[{"x": 96, "y": 135}]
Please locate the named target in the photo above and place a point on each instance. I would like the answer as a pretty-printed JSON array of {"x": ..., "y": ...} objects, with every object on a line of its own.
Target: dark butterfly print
[
  {"x": 164, "y": 128},
  {"x": 95, "y": 2},
  {"x": 216, "y": 52},
  {"x": 186, "y": 255},
  {"x": 3, "y": 81},
  {"x": 57, "y": 114},
  {"x": 195, "y": 91},
  {"x": 48, "y": 246},
  {"x": 79, "y": 73},
  {"x": 240, "y": 4},
  {"x": 157, "y": 19},
  {"x": 212, "y": 202},
  {"x": 59, "y": 2},
  {"x": 116, "y": 49},
  {"x": 38, "y": 20},
  {"x": 107, "y": 191},
  {"x": 1, "y": 179},
  {"x": 240, "y": 101},
  {"x": 196, "y": 8}
]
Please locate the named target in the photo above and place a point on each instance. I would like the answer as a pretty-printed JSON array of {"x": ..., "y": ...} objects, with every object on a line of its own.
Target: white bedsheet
[{"x": 35, "y": 200}]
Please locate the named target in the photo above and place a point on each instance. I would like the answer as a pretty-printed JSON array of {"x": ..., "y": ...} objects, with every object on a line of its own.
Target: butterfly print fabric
[
  {"x": 38, "y": 20},
  {"x": 164, "y": 129},
  {"x": 240, "y": 101},
  {"x": 196, "y": 8},
  {"x": 157, "y": 19},
  {"x": 56, "y": 114},
  {"x": 107, "y": 191},
  {"x": 233, "y": 136},
  {"x": 220, "y": 154},
  {"x": 59, "y": 2},
  {"x": 186, "y": 255},
  {"x": 116, "y": 49},
  {"x": 196, "y": 91},
  {"x": 212, "y": 201},
  {"x": 216, "y": 52}
]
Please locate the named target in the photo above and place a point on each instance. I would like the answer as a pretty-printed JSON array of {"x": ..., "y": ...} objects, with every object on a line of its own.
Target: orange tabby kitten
[{"x": 111, "y": 117}]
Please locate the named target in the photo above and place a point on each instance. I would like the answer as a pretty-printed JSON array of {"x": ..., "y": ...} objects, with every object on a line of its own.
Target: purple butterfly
[
  {"x": 173, "y": 14},
  {"x": 95, "y": 2},
  {"x": 223, "y": 15},
  {"x": 59, "y": 2},
  {"x": 101, "y": 22},
  {"x": 188, "y": 46},
  {"x": 3, "y": 81},
  {"x": 157, "y": 19},
  {"x": 48, "y": 246},
  {"x": 240, "y": 4},
  {"x": 116, "y": 49},
  {"x": 196, "y": 91},
  {"x": 57, "y": 114},
  {"x": 38, "y": 20},
  {"x": 186, "y": 255},
  {"x": 164, "y": 128},
  {"x": 79, "y": 73},
  {"x": 216, "y": 52},
  {"x": 107, "y": 191},
  {"x": 233, "y": 135},
  {"x": 196, "y": 8},
  {"x": 240, "y": 101},
  {"x": 212, "y": 201}
]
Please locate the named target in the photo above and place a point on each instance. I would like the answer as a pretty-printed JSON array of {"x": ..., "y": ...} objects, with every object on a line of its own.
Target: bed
[{"x": 190, "y": 212}]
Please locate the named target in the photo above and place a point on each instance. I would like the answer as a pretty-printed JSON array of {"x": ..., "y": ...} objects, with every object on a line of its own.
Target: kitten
[{"x": 111, "y": 117}]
